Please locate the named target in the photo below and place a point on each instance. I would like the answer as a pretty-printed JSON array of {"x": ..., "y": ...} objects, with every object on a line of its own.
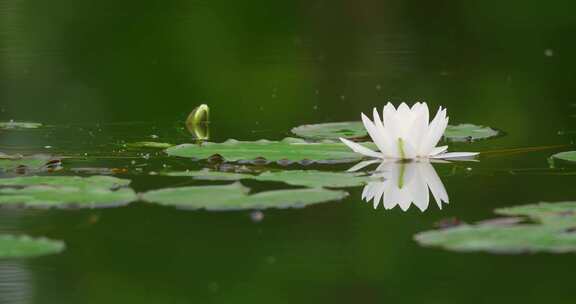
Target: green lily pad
[
  {"x": 211, "y": 175},
  {"x": 289, "y": 149},
  {"x": 236, "y": 197},
  {"x": 15, "y": 125},
  {"x": 149, "y": 144},
  {"x": 331, "y": 130},
  {"x": 313, "y": 178},
  {"x": 541, "y": 210},
  {"x": 12, "y": 246},
  {"x": 501, "y": 239},
  {"x": 558, "y": 214},
  {"x": 65, "y": 191},
  {"x": 569, "y": 156},
  {"x": 552, "y": 230},
  {"x": 33, "y": 163},
  {"x": 469, "y": 132},
  {"x": 355, "y": 129},
  {"x": 307, "y": 178}
]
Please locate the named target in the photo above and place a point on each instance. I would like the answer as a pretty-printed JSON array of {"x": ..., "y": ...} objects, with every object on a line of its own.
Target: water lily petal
[
  {"x": 420, "y": 192},
  {"x": 455, "y": 155},
  {"x": 403, "y": 110},
  {"x": 435, "y": 132},
  {"x": 384, "y": 135},
  {"x": 379, "y": 193},
  {"x": 435, "y": 184},
  {"x": 388, "y": 112},
  {"x": 360, "y": 149},
  {"x": 368, "y": 191},
  {"x": 438, "y": 150},
  {"x": 417, "y": 130},
  {"x": 374, "y": 133},
  {"x": 363, "y": 164}
]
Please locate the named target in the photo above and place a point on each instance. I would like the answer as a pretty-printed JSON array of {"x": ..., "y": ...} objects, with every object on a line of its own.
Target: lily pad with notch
[
  {"x": 12, "y": 246},
  {"x": 289, "y": 149},
  {"x": 66, "y": 191},
  {"x": 237, "y": 197}
]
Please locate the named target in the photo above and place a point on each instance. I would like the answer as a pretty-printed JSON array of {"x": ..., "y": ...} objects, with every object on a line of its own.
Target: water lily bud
[{"x": 197, "y": 122}]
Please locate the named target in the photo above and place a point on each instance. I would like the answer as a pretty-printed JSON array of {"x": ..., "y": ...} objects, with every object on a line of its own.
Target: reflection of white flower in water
[
  {"x": 402, "y": 183},
  {"x": 406, "y": 133}
]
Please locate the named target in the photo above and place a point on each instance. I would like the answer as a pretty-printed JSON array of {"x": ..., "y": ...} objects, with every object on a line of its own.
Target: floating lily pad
[
  {"x": 27, "y": 163},
  {"x": 569, "y": 156},
  {"x": 24, "y": 246},
  {"x": 468, "y": 132},
  {"x": 211, "y": 175},
  {"x": 355, "y": 129},
  {"x": 289, "y": 149},
  {"x": 64, "y": 191},
  {"x": 11, "y": 164},
  {"x": 313, "y": 178},
  {"x": 558, "y": 214},
  {"x": 501, "y": 239},
  {"x": 149, "y": 144},
  {"x": 15, "y": 125},
  {"x": 331, "y": 130},
  {"x": 236, "y": 197},
  {"x": 308, "y": 178},
  {"x": 552, "y": 230}
]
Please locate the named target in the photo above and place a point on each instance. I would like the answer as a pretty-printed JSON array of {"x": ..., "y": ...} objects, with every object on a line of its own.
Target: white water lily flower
[
  {"x": 406, "y": 133},
  {"x": 404, "y": 184}
]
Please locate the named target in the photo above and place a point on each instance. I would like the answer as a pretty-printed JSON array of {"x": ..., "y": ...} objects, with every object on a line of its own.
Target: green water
[{"x": 101, "y": 73}]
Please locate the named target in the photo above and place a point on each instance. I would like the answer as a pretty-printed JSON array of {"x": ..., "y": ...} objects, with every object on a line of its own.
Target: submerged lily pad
[
  {"x": 289, "y": 149},
  {"x": 307, "y": 178},
  {"x": 64, "y": 191},
  {"x": 236, "y": 197},
  {"x": 14, "y": 125},
  {"x": 468, "y": 132},
  {"x": 355, "y": 129},
  {"x": 331, "y": 130},
  {"x": 149, "y": 144},
  {"x": 569, "y": 156},
  {"x": 552, "y": 230},
  {"x": 12, "y": 246}
]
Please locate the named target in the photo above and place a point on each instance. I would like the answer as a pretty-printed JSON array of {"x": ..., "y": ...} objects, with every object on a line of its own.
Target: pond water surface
[{"x": 100, "y": 74}]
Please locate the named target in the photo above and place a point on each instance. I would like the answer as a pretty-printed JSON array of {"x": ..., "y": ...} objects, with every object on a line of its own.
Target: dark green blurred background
[{"x": 264, "y": 67}]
